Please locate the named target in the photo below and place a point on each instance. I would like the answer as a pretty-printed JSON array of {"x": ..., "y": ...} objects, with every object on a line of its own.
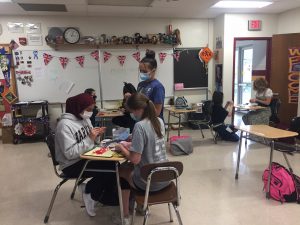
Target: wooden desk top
[
  {"x": 174, "y": 110},
  {"x": 109, "y": 114},
  {"x": 249, "y": 107},
  {"x": 266, "y": 131}
]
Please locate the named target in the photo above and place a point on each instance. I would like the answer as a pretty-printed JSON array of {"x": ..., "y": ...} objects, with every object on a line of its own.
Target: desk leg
[
  {"x": 239, "y": 157},
  {"x": 179, "y": 120},
  {"x": 270, "y": 169},
  {"x": 120, "y": 193},
  {"x": 79, "y": 178},
  {"x": 169, "y": 126}
]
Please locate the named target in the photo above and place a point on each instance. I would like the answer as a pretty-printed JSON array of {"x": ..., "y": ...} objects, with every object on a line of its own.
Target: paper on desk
[{"x": 97, "y": 151}]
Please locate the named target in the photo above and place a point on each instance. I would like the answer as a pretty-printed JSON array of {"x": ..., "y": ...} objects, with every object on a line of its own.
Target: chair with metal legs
[
  {"x": 50, "y": 140},
  {"x": 160, "y": 172}
]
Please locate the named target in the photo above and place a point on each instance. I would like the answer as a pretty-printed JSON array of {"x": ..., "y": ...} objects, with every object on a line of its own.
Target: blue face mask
[
  {"x": 144, "y": 76},
  {"x": 134, "y": 117}
]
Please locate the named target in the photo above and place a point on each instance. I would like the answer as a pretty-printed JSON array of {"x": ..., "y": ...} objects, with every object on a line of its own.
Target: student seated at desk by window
[
  {"x": 218, "y": 116},
  {"x": 125, "y": 120},
  {"x": 147, "y": 146},
  {"x": 263, "y": 97},
  {"x": 92, "y": 93},
  {"x": 74, "y": 136}
]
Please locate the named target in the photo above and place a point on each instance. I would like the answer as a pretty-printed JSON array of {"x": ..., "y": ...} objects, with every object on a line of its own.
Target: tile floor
[{"x": 210, "y": 195}]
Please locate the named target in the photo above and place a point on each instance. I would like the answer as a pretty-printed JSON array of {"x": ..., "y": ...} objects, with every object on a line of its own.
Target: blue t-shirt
[{"x": 155, "y": 91}]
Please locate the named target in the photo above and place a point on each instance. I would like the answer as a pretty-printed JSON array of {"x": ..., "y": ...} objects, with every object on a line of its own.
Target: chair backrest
[
  {"x": 160, "y": 172},
  {"x": 295, "y": 126},
  {"x": 50, "y": 140}
]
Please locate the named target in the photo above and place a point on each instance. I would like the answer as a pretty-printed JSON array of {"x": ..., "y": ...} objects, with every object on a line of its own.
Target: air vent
[
  {"x": 137, "y": 3},
  {"x": 44, "y": 7}
]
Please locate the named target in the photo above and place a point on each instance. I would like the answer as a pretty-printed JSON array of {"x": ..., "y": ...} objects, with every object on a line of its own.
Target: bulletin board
[{"x": 190, "y": 70}]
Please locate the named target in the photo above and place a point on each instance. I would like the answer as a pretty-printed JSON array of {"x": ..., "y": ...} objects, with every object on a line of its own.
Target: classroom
[{"x": 149, "y": 112}]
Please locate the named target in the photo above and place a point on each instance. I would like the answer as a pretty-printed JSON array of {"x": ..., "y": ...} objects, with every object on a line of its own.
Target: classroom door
[{"x": 285, "y": 74}]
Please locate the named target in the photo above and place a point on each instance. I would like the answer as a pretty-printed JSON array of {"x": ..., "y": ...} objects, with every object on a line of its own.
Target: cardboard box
[{"x": 7, "y": 135}]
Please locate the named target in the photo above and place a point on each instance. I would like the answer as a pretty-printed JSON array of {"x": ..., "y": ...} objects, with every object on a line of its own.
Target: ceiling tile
[{"x": 115, "y": 11}]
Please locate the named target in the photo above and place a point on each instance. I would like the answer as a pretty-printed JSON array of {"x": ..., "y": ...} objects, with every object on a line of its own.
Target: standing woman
[
  {"x": 263, "y": 97},
  {"x": 149, "y": 85}
]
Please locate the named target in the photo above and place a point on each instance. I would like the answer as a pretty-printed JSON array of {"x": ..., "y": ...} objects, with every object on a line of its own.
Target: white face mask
[{"x": 86, "y": 115}]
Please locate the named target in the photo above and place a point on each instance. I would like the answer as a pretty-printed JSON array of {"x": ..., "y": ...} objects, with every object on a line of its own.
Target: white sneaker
[
  {"x": 88, "y": 201},
  {"x": 116, "y": 219}
]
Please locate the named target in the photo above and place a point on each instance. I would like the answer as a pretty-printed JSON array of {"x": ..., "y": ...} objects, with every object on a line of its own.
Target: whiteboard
[
  {"x": 113, "y": 74},
  {"x": 53, "y": 83}
]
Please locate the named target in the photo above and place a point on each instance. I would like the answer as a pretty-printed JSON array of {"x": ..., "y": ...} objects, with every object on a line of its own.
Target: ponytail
[{"x": 140, "y": 101}]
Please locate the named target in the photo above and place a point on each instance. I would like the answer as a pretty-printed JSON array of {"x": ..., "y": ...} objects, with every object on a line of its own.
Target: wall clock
[{"x": 71, "y": 35}]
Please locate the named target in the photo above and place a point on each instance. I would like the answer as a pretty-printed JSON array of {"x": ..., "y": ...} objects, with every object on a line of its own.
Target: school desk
[
  {"x": 107, "y": 115},
  {"x": 248, "y": 107},
  {"x": 114, "y": 159},
  {"x": 266, "y": 132},
  {"x": 172, "y": 111}
]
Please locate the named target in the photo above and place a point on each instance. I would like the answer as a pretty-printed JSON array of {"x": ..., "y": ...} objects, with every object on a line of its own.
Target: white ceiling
[{"x": 158, "y": 9}]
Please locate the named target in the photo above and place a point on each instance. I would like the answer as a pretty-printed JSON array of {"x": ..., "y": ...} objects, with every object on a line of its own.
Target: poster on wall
[
  {"x": 219, "y": 77},
  {"x": 293, "y": 75}
]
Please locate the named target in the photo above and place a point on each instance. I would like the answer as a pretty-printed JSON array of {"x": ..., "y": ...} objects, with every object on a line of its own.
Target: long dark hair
[
  {"x": 139, "y": 101},
  {"x": 149, "y": 59},
  {"x": 218, "y": 98}
]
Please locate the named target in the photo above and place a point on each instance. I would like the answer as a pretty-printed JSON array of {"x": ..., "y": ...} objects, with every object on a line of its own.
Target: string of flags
[{"x": 205, "y": 55}]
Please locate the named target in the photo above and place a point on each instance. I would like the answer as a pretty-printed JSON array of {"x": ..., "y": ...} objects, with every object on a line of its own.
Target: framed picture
[
  {"x": 219, "y": 77},
  {"x": 35, "y": 39},
  {"x": 9, "y": 96},
  {"x": 33, "y": 28},
  {"x": 15, "y": 27}
]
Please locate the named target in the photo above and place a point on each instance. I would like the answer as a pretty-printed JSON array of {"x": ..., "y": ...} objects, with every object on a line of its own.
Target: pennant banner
[
  {"x": 122, "y": 59},
  {"x": 106, "y": 56},
  {"x": 176, "y": 55},
  {"x": 137, "y": 56},
  {"x": 63, "y": 61},
  {"x": 162, "y": 57},
  {"x": 80, "y": 60},
  {"x": 95, "y": 55},
  {"x": 47, "y": 58}
]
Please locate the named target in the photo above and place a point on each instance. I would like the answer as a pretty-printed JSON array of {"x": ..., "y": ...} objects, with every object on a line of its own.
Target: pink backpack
[{"x": 282, "y": 186}]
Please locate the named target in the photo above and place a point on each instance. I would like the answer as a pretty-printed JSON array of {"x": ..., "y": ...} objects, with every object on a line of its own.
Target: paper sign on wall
[
  {"x": 179, "y": 86},
  {"x": 35, "y": 39}
]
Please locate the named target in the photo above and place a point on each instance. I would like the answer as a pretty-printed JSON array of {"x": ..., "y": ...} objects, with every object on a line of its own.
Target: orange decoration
[{"x": 206, "y": 54}]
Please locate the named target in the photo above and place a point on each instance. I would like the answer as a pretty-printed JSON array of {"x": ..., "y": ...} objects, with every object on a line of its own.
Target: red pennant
[
  {"x": 122, "y": 59},
  {"x": 137, "y": 56},
  {"x": 63, "y": 61},
  {"x": 47, "y": 58},
  {"x": 106, "y": 56},
  {"x": 162, "y": 57},
  {"x": 95, "y": 55},
  {"x": 176, "y": 55},
  {"x": 80, "y": 60}
]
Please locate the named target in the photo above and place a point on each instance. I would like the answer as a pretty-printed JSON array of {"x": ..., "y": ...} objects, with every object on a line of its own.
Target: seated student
[
  {"x": 148, "y": 146},
  {"x": 125, "y": 120},
  {"x": 75, "y": 135},
  {"x": 219, "y": 115},
  {"x": 263, "y": 97},
  {"x": 92, "y": 93}
]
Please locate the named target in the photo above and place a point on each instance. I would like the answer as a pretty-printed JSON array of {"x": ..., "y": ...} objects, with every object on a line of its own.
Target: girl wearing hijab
[{"x": 74, "y": 136}]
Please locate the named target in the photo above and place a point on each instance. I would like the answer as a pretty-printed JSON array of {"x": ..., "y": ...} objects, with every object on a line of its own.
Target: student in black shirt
[{"x": 219, "y": 114}]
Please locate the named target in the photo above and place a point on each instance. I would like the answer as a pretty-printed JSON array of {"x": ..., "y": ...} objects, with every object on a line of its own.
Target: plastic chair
[
  {"x": 50, "y": 140},
  {"x": 160, "y": 172}
]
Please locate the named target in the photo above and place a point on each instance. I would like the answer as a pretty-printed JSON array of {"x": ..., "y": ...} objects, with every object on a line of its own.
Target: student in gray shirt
[{"x": 148, "y": 146}]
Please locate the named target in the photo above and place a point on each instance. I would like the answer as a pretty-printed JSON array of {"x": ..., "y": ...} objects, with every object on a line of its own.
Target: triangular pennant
[
  {"x": 137, "y": 56},
  {"x": 176, "y": 55},
  {"x": 63, "y": 61},
  {"x": 80, "y": 60},
  {"x": 95, "y": 55},
  {"x": 106, "y": 56},
  {"x": 47, "y": 58},
  {"x": 162, "y": 57},
  {"x": 122, "y": 59}
]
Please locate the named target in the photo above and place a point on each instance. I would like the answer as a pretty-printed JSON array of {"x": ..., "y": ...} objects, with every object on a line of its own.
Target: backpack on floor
[
  {"x": 181, "y": 145},
  {"x": 283, "y": 185}
]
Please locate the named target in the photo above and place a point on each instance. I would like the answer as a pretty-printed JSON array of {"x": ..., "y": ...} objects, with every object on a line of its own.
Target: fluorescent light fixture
[
  {"x": 2, "y": 1},
  {"x": 242, "y": 4}
]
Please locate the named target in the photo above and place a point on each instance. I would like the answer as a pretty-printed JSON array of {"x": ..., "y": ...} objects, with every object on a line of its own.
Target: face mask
[
  {"x": 134, "y": 117},
  {"x": 86, "y": 115},
  {"x": 144, "y": 76}
]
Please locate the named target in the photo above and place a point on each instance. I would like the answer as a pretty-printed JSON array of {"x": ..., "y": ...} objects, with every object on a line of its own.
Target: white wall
[
  {"x": 236, "y": 25},
  {"x": 194, "y": 33}
]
